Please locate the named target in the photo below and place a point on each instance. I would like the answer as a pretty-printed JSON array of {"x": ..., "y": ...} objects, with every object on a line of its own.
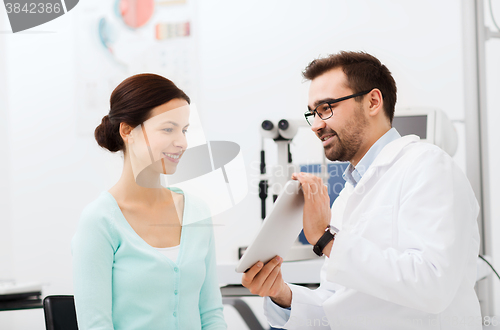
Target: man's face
[{"x": 343, "y": 133}]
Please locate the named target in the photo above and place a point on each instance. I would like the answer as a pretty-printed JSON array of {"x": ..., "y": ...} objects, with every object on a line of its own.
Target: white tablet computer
[{"x": 279, "y": 230}]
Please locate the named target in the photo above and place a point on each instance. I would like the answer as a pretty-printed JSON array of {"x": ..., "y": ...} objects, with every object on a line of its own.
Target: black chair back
[{"x": 60, "y": 313}]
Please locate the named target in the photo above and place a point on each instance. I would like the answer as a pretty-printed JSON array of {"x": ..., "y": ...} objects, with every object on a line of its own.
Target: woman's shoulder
[
  {"x": 99, "y": 212},
  {"x": 97, "y": 224}
]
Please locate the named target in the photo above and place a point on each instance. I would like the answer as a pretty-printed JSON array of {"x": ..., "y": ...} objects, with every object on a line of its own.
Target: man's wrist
[
  {"x": 284, "y": 299},
  {"x": 326, "y": 238},
  {"x": 328, "y": 248}
]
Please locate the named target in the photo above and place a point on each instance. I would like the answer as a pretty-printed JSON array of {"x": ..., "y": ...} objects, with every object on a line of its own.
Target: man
[{"x": 403, "y": 242}]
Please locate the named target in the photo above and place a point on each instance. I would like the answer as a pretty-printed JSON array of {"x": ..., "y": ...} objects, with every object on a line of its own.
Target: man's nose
[{"x": 318, "y": 124}]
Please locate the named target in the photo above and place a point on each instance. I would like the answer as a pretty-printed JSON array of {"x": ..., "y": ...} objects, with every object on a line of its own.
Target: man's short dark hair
[{"x": 363, "y": 71}]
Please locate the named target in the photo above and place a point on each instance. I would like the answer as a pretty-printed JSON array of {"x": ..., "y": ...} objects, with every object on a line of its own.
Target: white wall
[
  {"x": 44, "y": 157},
  {"x": 493, "y": 113},
  {"x": 5, "y": 232},
  {"x": 251, "y": 58},
  {"x": 6, "y": 255}
]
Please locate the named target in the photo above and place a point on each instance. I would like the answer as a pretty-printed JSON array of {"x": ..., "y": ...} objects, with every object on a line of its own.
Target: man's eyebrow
[{"x": 318, "y": 102}]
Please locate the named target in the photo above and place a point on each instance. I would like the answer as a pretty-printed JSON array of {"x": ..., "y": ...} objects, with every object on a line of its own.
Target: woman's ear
[{"x": 125, "y": 133}]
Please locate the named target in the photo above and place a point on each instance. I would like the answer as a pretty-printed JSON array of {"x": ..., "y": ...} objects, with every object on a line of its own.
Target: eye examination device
[{"x": 282, "y": 133}]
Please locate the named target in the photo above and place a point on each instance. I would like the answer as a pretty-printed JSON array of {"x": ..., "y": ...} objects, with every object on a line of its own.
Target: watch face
[{"x": 333, "y": 229}]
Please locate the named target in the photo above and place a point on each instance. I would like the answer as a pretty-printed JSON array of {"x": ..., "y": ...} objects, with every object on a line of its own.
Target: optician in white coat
[{"x": 405, "y": 254}]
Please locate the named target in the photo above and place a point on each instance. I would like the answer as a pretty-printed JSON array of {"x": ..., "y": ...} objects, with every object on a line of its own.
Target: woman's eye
[
  {"x": 168, "y": 130},
  {"x": 184, "y": 131}
]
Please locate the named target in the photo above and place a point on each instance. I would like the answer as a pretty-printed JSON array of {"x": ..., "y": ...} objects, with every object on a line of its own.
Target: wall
[
  {"x": 493, "y": 115},
  {"x": 6, "y": 253},
  {"x": 5, "y": 232},
  {"x": 251, "y": 57},
  {"x": 45, "y": 160}
]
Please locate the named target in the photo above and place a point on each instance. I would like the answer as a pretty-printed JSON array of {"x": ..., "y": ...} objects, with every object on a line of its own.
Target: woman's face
[{"x": 158, "y": 144}]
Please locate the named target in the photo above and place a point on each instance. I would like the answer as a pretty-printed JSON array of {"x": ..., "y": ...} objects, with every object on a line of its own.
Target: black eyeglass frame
[{"x": 311, "y": 113}]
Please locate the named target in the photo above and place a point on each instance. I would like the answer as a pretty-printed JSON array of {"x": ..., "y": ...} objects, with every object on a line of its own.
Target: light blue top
[
  {"x": 121, "y": 282},
  {"x": 276, "y": 314},
  {"x": 354, "y": 174}
]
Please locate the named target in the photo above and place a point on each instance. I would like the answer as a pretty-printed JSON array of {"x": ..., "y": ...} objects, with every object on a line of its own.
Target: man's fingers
[
  {"x": 269, "y": 281},
  {"x": 276, "y": 286},
  {"x": 248, "y": 277},
  {"x": 259, "y": 279},
  {"x": 255, "y": 285},
  {"x": 311, "y": 184}
]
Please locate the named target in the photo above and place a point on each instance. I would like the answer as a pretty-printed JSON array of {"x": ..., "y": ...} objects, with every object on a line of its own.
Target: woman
[{"x": 143, "y": 255}]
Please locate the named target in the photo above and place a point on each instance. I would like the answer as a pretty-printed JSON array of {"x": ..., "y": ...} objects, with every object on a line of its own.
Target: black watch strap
[{"x": 323, "y": 241}]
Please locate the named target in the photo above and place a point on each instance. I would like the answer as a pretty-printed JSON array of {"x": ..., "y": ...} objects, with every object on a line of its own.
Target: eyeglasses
[{"x": 324, "y": 109}]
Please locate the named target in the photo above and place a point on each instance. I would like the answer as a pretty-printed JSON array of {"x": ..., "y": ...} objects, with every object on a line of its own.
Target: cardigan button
[
  {"x": 176, "y": 269},
  {"x": 176, "y": 292},
  {"x": 175, "y": 314}
]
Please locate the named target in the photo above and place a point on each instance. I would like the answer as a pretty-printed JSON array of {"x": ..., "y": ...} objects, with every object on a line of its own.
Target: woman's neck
[{"x": 127, "y": 190}]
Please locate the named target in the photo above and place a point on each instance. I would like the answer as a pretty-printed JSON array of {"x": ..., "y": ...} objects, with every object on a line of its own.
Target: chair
[{"x": 60, "y": 313}]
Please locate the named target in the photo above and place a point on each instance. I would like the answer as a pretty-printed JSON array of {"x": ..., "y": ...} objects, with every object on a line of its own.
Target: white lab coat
[{"x": 405, "y": 256}]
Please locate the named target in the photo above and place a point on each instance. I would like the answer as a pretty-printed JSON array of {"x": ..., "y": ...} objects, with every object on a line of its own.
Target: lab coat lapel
[
  {"x": 390, "y": 151},
  {"x": 384, "y": 159}
]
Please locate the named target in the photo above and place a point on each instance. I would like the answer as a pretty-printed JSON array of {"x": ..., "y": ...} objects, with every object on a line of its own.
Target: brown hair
[
  {"x": 363, "y": 71},
  {"x": 131, "y": 102}
]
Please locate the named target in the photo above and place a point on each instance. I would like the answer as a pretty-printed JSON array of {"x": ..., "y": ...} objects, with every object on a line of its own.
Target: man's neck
[{"x": 369, "y": 142}]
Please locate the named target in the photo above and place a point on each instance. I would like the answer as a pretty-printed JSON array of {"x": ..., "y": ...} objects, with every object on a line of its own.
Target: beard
[{"x": 346, "y": 144}]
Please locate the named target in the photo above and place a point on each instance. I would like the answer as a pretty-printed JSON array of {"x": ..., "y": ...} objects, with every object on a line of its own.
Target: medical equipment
[
  {"x": 282, "y": 134},
  {"x": 430, "y": 124}
]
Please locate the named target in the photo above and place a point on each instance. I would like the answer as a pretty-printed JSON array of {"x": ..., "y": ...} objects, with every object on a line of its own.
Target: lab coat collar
[
  {"x": 354, "y": 174},
  {"x": 387, "y": 156},
  {"x": 384, "y": 158},
  {"x": 392, "y": 149}
]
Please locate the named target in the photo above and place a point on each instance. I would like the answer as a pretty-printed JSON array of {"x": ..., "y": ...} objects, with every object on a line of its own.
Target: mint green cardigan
[{"x": 121, "y": 282}]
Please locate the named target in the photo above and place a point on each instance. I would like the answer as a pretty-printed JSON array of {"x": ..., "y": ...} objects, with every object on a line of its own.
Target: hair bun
[{"x": 108, "y": 136}]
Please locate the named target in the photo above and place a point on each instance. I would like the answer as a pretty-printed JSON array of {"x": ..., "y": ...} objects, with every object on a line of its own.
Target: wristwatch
[{"x": 323, "y": 241}]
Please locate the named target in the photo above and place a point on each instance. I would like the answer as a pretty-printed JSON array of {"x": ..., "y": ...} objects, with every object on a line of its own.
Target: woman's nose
[{"x": 181, "y": 141}]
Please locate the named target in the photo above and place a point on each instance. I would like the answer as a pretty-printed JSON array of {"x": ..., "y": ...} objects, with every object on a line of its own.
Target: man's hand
[
  {"x": 317, "y": 212},
  {"x": 265, "y": 280}
]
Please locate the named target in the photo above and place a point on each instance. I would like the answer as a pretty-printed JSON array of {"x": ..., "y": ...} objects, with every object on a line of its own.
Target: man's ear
[
  {"x": 375, "y": 102},
  {"x": 125, "y": 133}
]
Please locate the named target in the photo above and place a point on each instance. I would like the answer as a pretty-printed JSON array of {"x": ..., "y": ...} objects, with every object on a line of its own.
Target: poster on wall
[{"x": 117, "y": 39}]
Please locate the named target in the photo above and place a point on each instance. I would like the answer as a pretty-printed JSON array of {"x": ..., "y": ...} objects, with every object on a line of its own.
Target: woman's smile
[{"x": 173, "y": 157}]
